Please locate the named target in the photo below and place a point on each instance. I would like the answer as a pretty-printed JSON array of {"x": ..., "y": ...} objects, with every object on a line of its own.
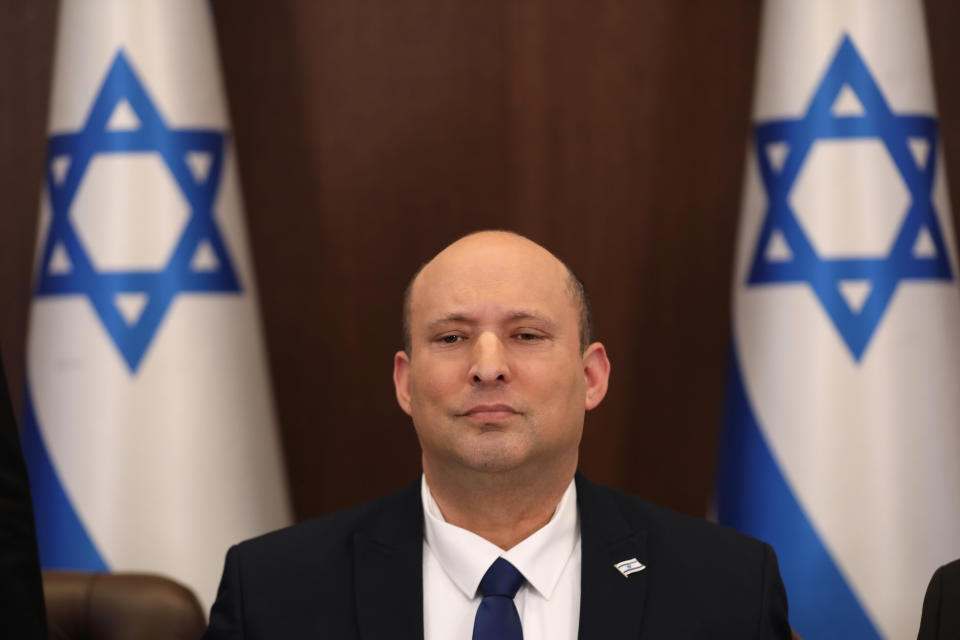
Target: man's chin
[{"x": 497, "y": 453}]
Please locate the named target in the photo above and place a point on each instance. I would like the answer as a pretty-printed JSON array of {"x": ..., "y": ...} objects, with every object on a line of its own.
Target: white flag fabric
[
  {"x": 149, "y": 427},
  {"x": 842, "y": 428}
]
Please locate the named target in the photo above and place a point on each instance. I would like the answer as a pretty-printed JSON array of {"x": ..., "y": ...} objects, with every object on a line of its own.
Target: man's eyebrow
[
  {"x": 462, "y": 317},
  {"x": 450, "y": 317},
  {"x": 528, "y": 315}
]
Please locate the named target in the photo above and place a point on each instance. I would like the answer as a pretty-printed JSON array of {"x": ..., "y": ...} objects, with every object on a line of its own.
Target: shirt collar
[{"x": 541, "y": 557}]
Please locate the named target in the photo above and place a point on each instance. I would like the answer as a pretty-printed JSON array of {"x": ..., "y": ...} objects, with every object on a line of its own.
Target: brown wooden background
[{"x": 373, "y": 132}]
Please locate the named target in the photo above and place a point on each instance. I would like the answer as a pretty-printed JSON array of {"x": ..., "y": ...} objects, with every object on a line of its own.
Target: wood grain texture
[{"x": 370, "y": 134}]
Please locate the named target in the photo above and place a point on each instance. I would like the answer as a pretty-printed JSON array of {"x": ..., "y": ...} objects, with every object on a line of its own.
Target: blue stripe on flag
[
  {"x": 61, "y": 537},
  {"x": 754, "y": 497}
]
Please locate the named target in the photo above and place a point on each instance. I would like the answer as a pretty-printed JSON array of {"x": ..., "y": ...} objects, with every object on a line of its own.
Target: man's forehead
[
  {"x": 507, "y": 273},
  {"x": 475, "y": 297},
  {"x": 491, "y": 258}
]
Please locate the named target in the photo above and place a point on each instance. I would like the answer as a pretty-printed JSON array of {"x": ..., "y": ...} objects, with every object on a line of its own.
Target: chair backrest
[{"x": 128, "y": 606}]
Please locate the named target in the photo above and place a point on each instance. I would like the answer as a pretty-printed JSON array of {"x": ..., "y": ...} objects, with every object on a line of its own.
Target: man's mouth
[{"x": 490, "y": 412}]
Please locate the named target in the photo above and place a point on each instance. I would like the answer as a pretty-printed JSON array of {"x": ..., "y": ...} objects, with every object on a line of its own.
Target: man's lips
[{"x": 489, "y": 412}]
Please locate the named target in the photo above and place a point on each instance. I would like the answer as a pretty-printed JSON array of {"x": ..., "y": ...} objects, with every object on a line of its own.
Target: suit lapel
[
  {"x": 388, "y": 570},
  {"x": 611, "y": 605}
]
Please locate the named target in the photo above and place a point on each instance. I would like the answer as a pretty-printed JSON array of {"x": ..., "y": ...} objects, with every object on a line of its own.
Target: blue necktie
[{"x": 497, "y": 617}]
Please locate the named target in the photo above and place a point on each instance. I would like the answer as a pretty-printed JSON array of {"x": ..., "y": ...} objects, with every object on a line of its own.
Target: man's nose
[{"x": 489, "y": 360}]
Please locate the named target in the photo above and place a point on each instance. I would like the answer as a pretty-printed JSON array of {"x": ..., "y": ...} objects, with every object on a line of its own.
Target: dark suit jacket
[
  {"x": 22, "y": 613},
  {"x": 941, "y": 605},
  {"x": 358, "y": 574}
]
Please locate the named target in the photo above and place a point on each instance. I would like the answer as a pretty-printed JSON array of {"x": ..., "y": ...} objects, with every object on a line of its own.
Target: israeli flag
[
  {"x": 842, "y": 428},
  {"x": 149, "y": 427}
]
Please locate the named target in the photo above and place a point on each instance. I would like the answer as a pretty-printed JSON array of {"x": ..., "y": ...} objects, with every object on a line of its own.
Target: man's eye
[
  {"x": 450, "y": 339},
  {"x": 528, "y": 337}
]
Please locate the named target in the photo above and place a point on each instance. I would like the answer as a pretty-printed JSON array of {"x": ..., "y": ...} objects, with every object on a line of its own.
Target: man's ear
[
  {"x": 596, "y": 371},
  {"x": 401, "y": 380}
]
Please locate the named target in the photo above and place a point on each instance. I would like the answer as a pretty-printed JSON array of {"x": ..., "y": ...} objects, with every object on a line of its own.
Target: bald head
[{"x": 488, "y": 251}]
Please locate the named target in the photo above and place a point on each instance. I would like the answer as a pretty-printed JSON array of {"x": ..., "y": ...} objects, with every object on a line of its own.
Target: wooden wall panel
[
  {"x": 595, "y": 128},
  {"x": 26, "y": 55},
  {"x": 372, "y": 133}
]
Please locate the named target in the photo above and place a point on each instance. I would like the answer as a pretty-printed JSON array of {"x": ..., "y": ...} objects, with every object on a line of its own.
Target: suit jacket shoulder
[
  {"x": 701, "y": 580},
  {"x": 941, "y": 604},
  {"x": 21, "y": 595},
  {"x": 310, "y": 580}
]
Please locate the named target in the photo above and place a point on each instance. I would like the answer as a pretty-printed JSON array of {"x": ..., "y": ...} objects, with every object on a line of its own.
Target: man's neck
[{"x": 502, "y": 508}]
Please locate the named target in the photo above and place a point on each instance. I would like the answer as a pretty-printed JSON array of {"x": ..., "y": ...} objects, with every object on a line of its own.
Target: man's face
[{"x": 495, "y": 379}]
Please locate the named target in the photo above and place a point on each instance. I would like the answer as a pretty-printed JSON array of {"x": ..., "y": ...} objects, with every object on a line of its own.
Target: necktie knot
[{"x": 501, "y": 579}]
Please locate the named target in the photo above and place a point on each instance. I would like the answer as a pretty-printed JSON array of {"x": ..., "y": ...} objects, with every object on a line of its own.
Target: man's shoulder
[
  {"x": 283, "y": 583},
  {"x": 703, "y": 579},
  {"x": 682, "y": 544},
  {"x": 941, "y": 617},
  {"x": 332, "y": 533},
  {"x": 659, "y": 521}
]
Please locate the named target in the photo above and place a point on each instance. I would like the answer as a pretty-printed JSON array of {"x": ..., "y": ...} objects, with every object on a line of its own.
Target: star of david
[
  {"x": 918, "y": 251},
  {"x": 66, "y": 267}
]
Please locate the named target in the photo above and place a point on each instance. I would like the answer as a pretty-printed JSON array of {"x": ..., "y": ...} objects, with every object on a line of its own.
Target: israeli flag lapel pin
[{"x": 626, "y": 567}]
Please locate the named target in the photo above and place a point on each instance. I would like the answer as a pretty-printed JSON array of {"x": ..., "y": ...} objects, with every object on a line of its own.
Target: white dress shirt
[{"x": 454, "y": 561}]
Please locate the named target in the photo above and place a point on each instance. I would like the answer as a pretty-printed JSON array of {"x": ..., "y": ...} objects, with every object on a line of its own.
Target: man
[
  {"x": 500, "y": 538},
  {"x": 22, "y": 612},
  {"x": 941, "y": 605}
]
